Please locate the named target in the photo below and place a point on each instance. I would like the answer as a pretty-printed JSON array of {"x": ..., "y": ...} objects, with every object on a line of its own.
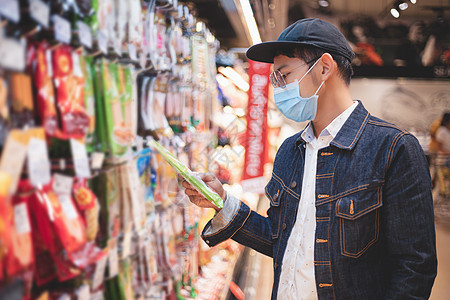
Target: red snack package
[
  {"x": 61, "y": 229},
  {"x": 69, "y": 83},
  {"x": 65, "y": 219},
  {"x": 43, "y": 72},
  {"x": 20, "y": 255},
  {"x": 44, "y": 267}
]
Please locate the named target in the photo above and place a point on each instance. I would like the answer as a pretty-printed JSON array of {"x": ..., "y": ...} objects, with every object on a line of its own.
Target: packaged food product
[
  {"x": 61, "y": 229},
  {"x": 57, "y": 212},
  {"x": 135, "y": 24},
  {"x": 89, "y": 100},
  {"x": 187, "y": 174},
  {"x": 145, "y": 179},
  {"x": 106, "y": 188},
  {"x": 123, "y": 133},
  {"x": 112, "y": 109},
  {"x": 43, "y": 73},
  {"x": 69, "y": 83},
  {"x": 113, "y": 203},
  {"x": 88, "y": 206},
  {"x": 21, "y": 101},
  {"x": 157, "y": 102},
  {"x": 20, "y": 255},
  {"x": 100, "y": 118}
]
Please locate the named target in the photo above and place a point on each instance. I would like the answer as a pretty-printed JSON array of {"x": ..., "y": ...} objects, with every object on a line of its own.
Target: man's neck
[{"x": 330, "y": 105}]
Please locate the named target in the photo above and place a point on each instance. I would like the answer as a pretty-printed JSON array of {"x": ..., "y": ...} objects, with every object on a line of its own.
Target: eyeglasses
[{"x": 278, "y": 79}]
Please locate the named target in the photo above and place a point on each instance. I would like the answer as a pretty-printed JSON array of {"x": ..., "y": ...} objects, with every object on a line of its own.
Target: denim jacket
[{"x": 375, "y": 236}]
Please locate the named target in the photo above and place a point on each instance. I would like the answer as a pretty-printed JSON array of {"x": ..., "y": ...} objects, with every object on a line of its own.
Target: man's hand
[{"x": 196, "y": 197}]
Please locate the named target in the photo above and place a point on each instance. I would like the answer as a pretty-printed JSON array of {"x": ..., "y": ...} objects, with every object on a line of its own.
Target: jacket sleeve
[
  {"x": 408, "y": 221},
  {"x": 243, "y": 225}
]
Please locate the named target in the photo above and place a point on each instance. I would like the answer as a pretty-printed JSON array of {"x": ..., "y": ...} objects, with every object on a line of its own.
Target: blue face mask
[{"x": 292, "y": 105}]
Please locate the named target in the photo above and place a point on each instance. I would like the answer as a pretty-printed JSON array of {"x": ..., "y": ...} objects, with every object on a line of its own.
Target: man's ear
[{"x": 329, "y": 66}]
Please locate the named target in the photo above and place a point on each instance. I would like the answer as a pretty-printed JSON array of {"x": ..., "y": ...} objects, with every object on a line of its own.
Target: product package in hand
[{"x": 187, "y": 174}]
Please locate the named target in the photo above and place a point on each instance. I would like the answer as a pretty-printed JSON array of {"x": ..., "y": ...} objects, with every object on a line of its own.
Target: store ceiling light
[
  {"x": 234, "y": 76},
  {"x": 395, "y": 13},
  {"x": 250, "y": 21},
  {"x": 323, "y": 3},
  {"x": 403, "y": 5},
  {"x": 413, "y": 1}
]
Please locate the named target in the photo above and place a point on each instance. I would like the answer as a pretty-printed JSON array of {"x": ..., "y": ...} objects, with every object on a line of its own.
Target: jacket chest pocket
[
  {"x": 359, "y": 221},
  {"x": 275, "y": 192}
]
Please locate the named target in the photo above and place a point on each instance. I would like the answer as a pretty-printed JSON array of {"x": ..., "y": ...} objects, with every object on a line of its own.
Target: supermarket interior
[{"x": 106, "y": 104}]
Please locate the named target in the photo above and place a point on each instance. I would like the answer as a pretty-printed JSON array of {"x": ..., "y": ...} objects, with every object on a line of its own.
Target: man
[{"x": 351, "y": 214}]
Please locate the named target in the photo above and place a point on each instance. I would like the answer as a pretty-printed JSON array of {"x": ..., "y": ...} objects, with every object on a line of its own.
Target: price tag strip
[
  {"x": 63, "y": 31},
  {"x": 99, "y": 272},
  {"x": 84, "y": 34},
  {"x": 62, "y": 184},
  {"x": 38, "y": 162},
  {"x": 80, "y": 159},
  {"x": 40, "y": 12},
  {"x": 12, "y": 54},
  {"x": 10, "y": 10}
]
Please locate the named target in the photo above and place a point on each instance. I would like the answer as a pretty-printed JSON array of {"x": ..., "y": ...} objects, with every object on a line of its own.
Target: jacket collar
[{"x": 350, "y": 132}]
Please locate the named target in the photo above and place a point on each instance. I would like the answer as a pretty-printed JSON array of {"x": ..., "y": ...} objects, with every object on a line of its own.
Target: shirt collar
[
  {"x": 332, "y": 128},
  {"x": 346, "y": 131}
]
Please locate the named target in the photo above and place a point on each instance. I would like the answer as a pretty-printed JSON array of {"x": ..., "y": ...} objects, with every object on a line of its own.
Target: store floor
[{"x": 440, "y": 289}]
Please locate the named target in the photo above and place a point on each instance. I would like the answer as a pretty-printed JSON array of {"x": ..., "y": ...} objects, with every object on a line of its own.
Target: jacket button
[
  {"x": 284, "y": 226},
  {"x": 276, "y": 196},
  {"x": 275, "y": 266},
  {"x": 293, "y": 184}
]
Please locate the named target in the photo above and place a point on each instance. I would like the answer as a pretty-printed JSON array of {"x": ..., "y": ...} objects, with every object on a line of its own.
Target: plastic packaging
[{"x": 187, "y": 174}]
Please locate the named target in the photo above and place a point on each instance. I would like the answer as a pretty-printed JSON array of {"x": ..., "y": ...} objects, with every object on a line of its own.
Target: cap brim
[{"x": 265, "y": 52}]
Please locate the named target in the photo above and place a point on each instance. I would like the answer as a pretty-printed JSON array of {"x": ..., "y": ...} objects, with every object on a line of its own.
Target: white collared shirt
[{"x": 297, "y": 279}]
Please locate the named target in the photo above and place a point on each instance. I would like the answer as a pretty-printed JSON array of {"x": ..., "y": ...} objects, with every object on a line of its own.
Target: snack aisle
[{"x": 88, "y": 210}]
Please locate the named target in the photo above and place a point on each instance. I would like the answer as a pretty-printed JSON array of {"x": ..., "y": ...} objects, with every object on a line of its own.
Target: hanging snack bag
[
  {"x": 88, "y": 206},
  {"x": 61, "y": 229},
  {"x": 106, "y": 187},
  {"x": 20, "y": 255},
  {"x": 123, "y": 133},
  {"x": 112, "y": 108},
  {"x": 89, "y": 100},
  {"x": 69, "y": 83},
  {"x": 22, "y": 101},
  {"x": 135, "y": 24},
  {"x": 62, "y": 217},
  {"x": 145, "y": 179},
  {"x": 100, "y": 118},
  {"x": 157, "y": 103},
  {"x": 43, "y": 73}
]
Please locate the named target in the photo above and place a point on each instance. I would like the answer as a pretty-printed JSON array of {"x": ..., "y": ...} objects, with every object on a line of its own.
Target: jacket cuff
[{"x": 213, "y": 234}]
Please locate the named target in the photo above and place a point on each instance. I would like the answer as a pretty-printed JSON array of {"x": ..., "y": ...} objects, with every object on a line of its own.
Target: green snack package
[
  {"x": 187, "y": 174},
  {"x": 111, "y": 110},
  {"x": 100, "y": 118},
  {"x": 89, "y": 99}
]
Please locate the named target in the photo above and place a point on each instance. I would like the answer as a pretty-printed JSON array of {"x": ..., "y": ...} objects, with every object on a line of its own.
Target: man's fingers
[
  {"x": 192, "y": 192},
  {"x": 207, "y": 177},
  {"x": 186, "y": 184}
]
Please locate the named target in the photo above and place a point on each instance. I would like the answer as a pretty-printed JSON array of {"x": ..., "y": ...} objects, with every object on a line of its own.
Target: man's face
[{"x": 295, "y": 68}]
